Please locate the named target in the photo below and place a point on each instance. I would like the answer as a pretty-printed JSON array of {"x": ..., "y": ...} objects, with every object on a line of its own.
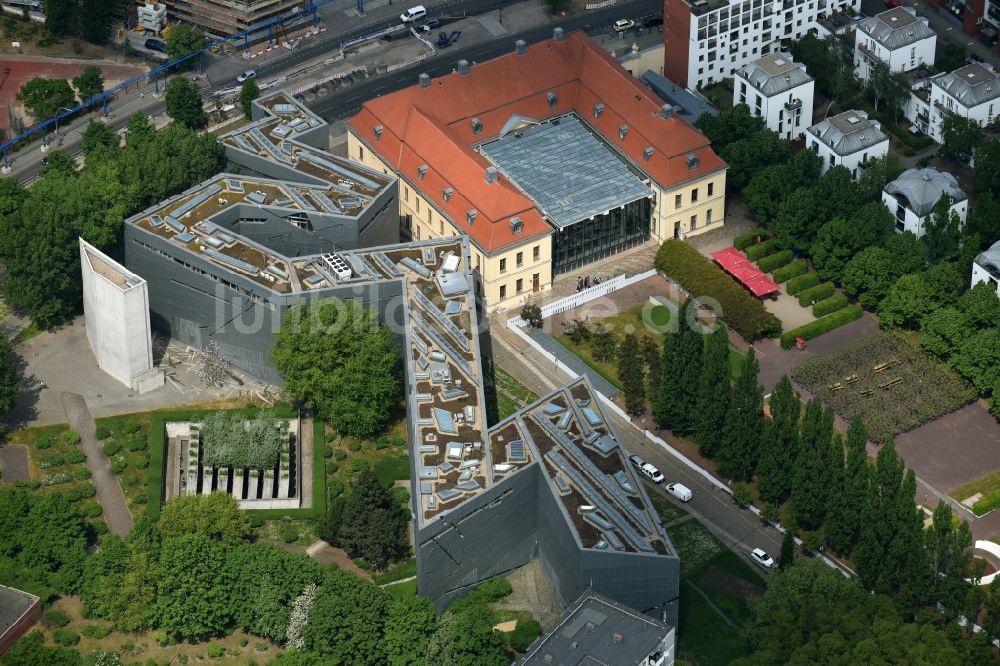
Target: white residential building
[
  {"x": 779, "y": 91},
  {"x": 913, "y": 195},
  {"x": 986, "y": 267},
  {"x": 710, "y": 40},
  {"x": 897, "y": 37},
  {"x": 972, "y": 91},
  {"x": 850, "y": 139}
]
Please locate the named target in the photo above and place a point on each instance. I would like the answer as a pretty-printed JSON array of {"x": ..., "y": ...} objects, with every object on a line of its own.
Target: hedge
[
  {"x": 761, "y": 250},
  {"x": 832, "y": 304},
  {"x": 801, "y": 283},
  {"x": 815, "y": 294},
  {"x": 794, "y": 269},
  {"x": 822, "y": 325},
  {"x": 702, "y": 278},
  {"x": 775, "y": 261},
  {"x": 743, "y": 241}
]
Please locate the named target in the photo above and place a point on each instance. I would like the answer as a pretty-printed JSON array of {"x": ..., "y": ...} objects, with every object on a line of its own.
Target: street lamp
[{"x": 61, "y": 109}]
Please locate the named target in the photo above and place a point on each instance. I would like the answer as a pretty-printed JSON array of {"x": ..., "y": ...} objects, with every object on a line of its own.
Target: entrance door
[
  {"x": 677, "y": 229},
  {"x": 534, "y": 282}
]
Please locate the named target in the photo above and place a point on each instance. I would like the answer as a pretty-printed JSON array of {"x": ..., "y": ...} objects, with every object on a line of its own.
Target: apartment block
[
  {"x": 897, "y": 37},
  {"x": 849, "y": 139},
  {"x": 778, "y": 90},
  {"x": 972, "y": 91}
]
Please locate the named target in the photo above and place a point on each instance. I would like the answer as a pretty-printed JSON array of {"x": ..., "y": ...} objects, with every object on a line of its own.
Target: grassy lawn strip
[
  {"x": 606, "y": 370},
  {"x": 403, "y": 590},
  {"x": 512, "y": 395},
  {"x": 986, "y": 484},
  {"x": 404, "y": 569},
  {"x": 666, "y": 509}
]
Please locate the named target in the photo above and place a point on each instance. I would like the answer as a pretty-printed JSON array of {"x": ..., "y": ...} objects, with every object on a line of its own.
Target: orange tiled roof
[{"x": 432, "y": 127}]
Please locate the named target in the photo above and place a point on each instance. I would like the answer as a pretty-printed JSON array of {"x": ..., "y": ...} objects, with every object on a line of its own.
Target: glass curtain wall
[{"x": 589, "y": 240}]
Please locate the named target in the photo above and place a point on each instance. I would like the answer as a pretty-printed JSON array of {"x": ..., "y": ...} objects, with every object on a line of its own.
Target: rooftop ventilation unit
[
  {"x": 666, "y": 111},
  {"x": 521, "y": 47},
  {"x": 378, "y": 132},
  {"x": 622, "y": 131},
  {"x": 421, "y": 171},
  {"x": 447, "y": 192},
  {"x": 647, "y": 153},
  {"x": 779, "y": 62},
  {"x": 337, "y": 266},
  {"x": 477, "y": 126},
  {"x": 425, "y": 80},
  {"x": 598, "y": 110},
  {"x": 471, "y": 216},
  {"x": 552, "y": 98},
  {"x": 854, "y": 120},
  {"x": 558, "y": 34},
  {"x": 492, "y": 174},
  {"x": 463, "y": 67},
  {"x": 692, "y": 162}
]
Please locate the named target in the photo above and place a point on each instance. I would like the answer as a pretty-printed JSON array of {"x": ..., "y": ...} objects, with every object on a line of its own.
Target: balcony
[
  {"x": 793, "y": 104},
  {"x": 945, "y": 111},
  {"x": 868, "y": 53}
]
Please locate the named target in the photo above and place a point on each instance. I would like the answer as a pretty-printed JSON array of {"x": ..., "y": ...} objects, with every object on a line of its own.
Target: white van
[
  {"x": 680, "y": 491},
  {"x": 413, "y": 14}
]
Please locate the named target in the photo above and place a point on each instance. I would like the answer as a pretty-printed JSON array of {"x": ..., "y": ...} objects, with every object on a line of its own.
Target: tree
[
  {"x": 749, "y": 154},
  {"x": 127, "y": 598},
  {"x": 887, "y": 89},
  {"x": 787, "y": 556},
  {"x": 96, "y": 17},
  {"x": 232, "y": 440},
  {"x": 183, "y": 40},
  {"x": 250, "y": 91},
  {"x": 44, "y": 97},
  {"x": 346, "y": 623},
  {"x": 632, "y": 375},
  {"x": 467, "y": 639},
  {"x": 981, "y": 305},
  {"x": 812, "y": 476},
  {"x": 31, "y": 650},
  {"x": 943, "y": 331},
  {"x": 336, "y": 362},
  {"x": 90, "y": 83},
  {"x": 950, "y": 551},
  {"x": 530, "y": 312},
  {"x": 604, "y": 344},
  {"x": 62, "y": 17},
  {"x": 730, "y": 126},
  {"x": 216, "y": 516},
  {"x": 666, "y": 411},
  {"x": 192, "y": 597},
  {"x": 213, "y": 368},
  {"x": 984, "y": 217},
  {"x": 740, "y": 447},
  {"x": 139, "y": 129},
  {"x": 373, "y": 526},
  {"x": 908, "y": 251},
  {"x": 978, "y": 360},
  {"x": 779, "y": 443},
  {"x": 949, "y": 58},
  {"x": 714, "y": 393},
  {"x": 797, "y": 219},
  {"x": 959, "y": 135},
  {"x": 97, "y": 137},
  {"x": 10, "y": 376},
  {"x": 184, "y": 102},
  {"x": 652, "y": 357},
  {"x": 942, "y": 231},
  {"x": 880, "y": 172},
  {"x": 409, "y": 626},
  {"x": 986, "y": 173},
  {"x": 844, "y": 522},
  {"x": 771, "y": 185},
  {"x": 840, "y": 239},
  {"x": 909, "y": 300},
  {"x": 692, "y": 348}
]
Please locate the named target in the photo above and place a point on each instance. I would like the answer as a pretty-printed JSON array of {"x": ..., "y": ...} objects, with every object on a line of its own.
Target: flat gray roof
[
  {"x": 596, "y": 630},
  {"x": 566, "y": 170},
  {"x": 13, "y": 604},
  {"x": 688, "y": 104}
]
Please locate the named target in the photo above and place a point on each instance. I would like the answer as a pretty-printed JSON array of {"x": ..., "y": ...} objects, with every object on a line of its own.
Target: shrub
[
  {"x": 787, "y": 272},
  {"x": 96, "y": 631},
  {"x": 75, "y": 456},
  {"x": 55, "y": 617},
  {"x": 335, "y": 488},
  {"x": 162, "y": 639},
  {"x": 742, "y": 495},
  {"x": 137, "y": 443},
  {"x": 243, "y": 641},
  {"x": 744, "y": 241},
  {"x": 51, "y": 461},
  {"x": 82, "y": 474},
  {"x": 761, "y": 250},
  {"x": 828, "y": 305},
  {"x": 112, "y": 448},
  {"x": 339, "y": 454},
  {"x": 132, "y": 426},
  {"x": 524, "y": 634},
  {"x": 356, "y": 466},
  {"x": 745, "y": 314},
  {"x": 86, "y": 490},
  {"x": 141, "y": 498},
  {"x": 327, "y": 451},
  {"x": 71, "y": 438},
  {"x": 494, "y": 589},
  {"x": 92, "y": 510},
  {"x": 354, "y": 445},
  {"x": 822, "y": 325},
  {"x": 381, "y": 443},
  {"x": 43, "y": 443},
  {"x": 102, "y": 432},
  {"x": 256, "y": 521},
  {"x": 65, "y": 637},
  {"x": 56, "y": 479},
  {"x": 815, "y": 294},
  {"x": 118, "y": 466},
  {"x": 775, "y": 261},
  {"x": 332, "y": 467},
  {"x": 216, "y": 651},
  {"x": 141, "y": 462},
  {"x": 801, "y": 283},
  {"x": 288, "y": 533},
  {"x": 397, "y": 440}
]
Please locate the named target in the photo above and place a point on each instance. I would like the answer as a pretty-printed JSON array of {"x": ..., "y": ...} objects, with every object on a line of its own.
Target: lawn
[
  {"x": 404, "y": 569},
  {"x": 129, "y": 442},
  {"x": 512, "y": 395},
  {"x": 887, "y": 381},
  {"x": 666, "y": 509},
  {"x": 402, "y": 590},
  {"x": 986, "y": 484}
]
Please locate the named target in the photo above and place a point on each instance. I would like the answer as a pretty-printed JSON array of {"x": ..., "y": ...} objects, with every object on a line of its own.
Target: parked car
[
  {"x": 413, "y": 14},
  {"x": 246, "y": 76},
  {"x": 651, "y": 473},
  {"x": 680, "y": 491},
  {"x": 156, "y": 45},
  {"x": 761, "y": 557},
  {"x": 636, "y": 461},
  {"x": 430, "y": 24},
  {"x": 655, "y": 21},
  {"x": 621, "y": 25}
]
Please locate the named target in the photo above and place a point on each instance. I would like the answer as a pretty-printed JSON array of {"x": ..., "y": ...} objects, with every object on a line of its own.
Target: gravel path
[{"x": 14, "y": 463}]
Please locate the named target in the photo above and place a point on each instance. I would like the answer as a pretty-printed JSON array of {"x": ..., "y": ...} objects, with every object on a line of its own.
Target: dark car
[
  {"x": 156, "y": 45},
  {"x": 430, "y": 24},
  {"x": 653, "y": 22}
]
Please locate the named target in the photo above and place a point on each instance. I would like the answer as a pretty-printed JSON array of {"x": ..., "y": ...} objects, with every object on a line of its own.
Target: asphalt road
[{"x": 350, "y": 100}]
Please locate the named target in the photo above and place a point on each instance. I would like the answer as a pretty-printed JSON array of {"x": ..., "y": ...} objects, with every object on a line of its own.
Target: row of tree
[{"x": 44, "y": 97}]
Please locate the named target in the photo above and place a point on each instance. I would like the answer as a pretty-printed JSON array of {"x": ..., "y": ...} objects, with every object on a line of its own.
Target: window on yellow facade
[
  {"x": 677, "y": 201},
  {"x": 503, "y": 291},
  {"x": 418, "y": 204},
  {"x": 536, "y": 253},
  {"x": 503, "y": 266},
  {"x": 519, "y": 286},
  {"x": 520, "y": 260},
  {"x": 694, "y": 221},
  {"x": 406, "y": 193},
  {"x": 694, "y": 195},
  {"x": 708, "y": 216},
  {"x": 361, "y": 153},
  {"x": 711, "y": 188}
]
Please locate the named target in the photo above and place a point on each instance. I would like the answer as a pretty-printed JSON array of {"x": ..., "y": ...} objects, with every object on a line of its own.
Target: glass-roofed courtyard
[{"x": 596, "y": 200}]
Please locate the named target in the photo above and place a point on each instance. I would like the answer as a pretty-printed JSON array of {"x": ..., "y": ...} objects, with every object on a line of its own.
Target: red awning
[{"x": 751, "y": 277}]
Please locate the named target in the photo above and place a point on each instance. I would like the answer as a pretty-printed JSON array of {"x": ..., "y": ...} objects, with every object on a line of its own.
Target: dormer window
[
  {"x": 421, "y": 171},
  {"x": 516, "y": 225},
  {"x": 553, "y": 99},
  {"x": 477, "y": 126},
  {"x": 692, "y": 162}
]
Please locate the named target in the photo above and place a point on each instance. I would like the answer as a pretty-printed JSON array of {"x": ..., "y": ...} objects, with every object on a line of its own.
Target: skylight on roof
[{"x": 779, "y": 61}]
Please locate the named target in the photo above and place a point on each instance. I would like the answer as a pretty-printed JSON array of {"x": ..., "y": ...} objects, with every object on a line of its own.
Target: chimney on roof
[
  {"x": 425, "y": 80},
  {"x": 447, "y": 192},
  {"x": 552, "y": 98},
  {"x": 463, "y": 67},
  {"x": 558, "y": 34},
  {"x": 471, "y": 216},
  {"x": 477, "y": 126},
  {"x": 521, "y": 47},
  {"x": 647, "y": 153},
  {"x": 492, "y": 174},
  {"x": 617, "y": 638},
  {"x": 421, "y": 171},
  {"x": 598, "y": 110},
  {"x": 622, "y": 131},
  {"x": 666, "y": 111},
  {"x": 378, "y": 132}
]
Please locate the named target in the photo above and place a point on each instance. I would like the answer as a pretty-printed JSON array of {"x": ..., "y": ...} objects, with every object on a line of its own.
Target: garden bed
[{"x": 887, "y": 381}]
